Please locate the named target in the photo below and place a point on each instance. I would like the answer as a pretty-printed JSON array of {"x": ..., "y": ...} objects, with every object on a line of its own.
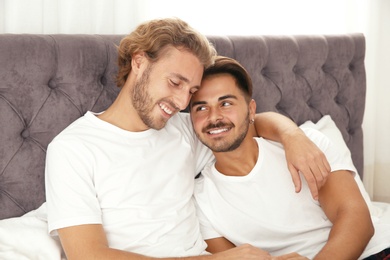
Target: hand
[
  {"x": 243, "y": 252},
  {"x": 303, "y": 156},
  {"x": 291, "y": 256}
]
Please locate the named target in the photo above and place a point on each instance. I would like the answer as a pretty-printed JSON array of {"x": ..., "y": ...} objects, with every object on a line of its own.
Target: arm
[
  {"x": 90, "y": 242},
  {"x": 223, "y": 247},
  {"x": 220, "y": 244},
  {"x": 301, "y": 153},
  {"x": 290, "y": 256},
  {"x": 344, "y": 205}
]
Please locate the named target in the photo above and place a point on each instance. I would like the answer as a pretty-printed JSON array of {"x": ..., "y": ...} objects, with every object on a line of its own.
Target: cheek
[
  {"x": 197, "y": 122},
  {"x": 157, "y": 87}
]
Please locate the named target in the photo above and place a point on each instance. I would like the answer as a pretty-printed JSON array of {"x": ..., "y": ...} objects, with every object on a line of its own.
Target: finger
[
  {"x": 295, "y": 177},
  {"x": 317, "y": 171},
  {"x": 326, "y": 163},
  {"x": 320, "y": 176},
  {"x": 312, "y": 183},
  {"x": 306, "y": 170},
  {"x": 320, "y": 170},
  {"x": 326, "y": 169},
  {"x": 290, "y": 256}
]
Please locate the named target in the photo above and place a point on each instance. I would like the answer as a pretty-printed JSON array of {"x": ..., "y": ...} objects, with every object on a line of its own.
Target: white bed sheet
[{"x": 27, "y": 238}]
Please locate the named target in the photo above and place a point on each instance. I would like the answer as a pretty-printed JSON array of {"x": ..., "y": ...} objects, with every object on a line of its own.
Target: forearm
[
  {"x": 89, "y": 242},
  {"x": 110, "y": 253},
  {"x": 274, "y": 126}
]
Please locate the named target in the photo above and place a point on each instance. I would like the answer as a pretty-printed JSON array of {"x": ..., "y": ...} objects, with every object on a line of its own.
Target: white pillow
[{"x": 328, "y": 127}]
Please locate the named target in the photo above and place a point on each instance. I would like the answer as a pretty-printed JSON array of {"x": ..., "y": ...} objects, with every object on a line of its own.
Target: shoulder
[
  {"x": 320, "y": 139},
  {"x": 313, "y": 133},
  {"x": 75, "y": 129},
  {"x": 182, "y": 120},
  {"x": 74, "y": 137},
  {"x": 180, "y": 124}
]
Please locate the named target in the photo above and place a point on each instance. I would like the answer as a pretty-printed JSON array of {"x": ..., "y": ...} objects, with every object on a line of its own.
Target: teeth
[
  {"x": 166, "y": 109},
  {"x": 218, "y": 131}
]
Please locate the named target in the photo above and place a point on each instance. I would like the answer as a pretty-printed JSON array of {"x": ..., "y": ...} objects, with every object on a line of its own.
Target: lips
[
  {"x": 166, "y": 109},
  {"x": 218, "y": 128},
  {"x": 217, "y": 131}
]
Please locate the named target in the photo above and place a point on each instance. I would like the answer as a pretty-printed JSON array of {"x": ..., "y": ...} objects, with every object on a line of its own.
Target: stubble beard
[
  {"x": 219, "y": 145},
  {"x": 143, "y": 102}
]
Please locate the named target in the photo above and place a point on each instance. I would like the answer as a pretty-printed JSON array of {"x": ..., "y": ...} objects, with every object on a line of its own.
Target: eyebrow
[
  {"x": 195, "y": 103},
  {"x": 182, "y": 78},
  {"x": 227, "y": 96}
]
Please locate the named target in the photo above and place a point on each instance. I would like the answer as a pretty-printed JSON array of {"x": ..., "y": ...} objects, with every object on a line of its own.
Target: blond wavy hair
[{"x": 151, "y": 37}]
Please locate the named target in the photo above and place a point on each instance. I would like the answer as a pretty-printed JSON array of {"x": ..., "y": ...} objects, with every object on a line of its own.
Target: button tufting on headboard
[
  {"x": 48, "y": 81},
  {"x": 52, "y": 84},
  {"x": 26, "y": 133},
  {"x": 103, "y": 80}
]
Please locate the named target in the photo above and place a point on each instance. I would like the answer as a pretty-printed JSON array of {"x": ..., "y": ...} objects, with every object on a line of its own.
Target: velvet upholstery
[{"x": 48, "y": 81}]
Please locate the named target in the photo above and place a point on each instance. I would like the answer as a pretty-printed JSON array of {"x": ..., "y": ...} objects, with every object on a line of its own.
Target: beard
[
  {"x": 221, "y": 144},
  {"x": 143, "y": 102}
]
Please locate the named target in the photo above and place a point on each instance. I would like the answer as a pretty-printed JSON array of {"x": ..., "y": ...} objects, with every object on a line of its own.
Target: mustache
[{"x": 217, "y": 125}]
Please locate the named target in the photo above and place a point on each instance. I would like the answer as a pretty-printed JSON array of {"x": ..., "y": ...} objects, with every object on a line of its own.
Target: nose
[
  {"x": 215, "y": 115},
  {"x": 183, "y": 100}
]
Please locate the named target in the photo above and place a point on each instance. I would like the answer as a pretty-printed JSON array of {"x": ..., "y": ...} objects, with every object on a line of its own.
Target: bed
[{"x": 48, "y": 81}]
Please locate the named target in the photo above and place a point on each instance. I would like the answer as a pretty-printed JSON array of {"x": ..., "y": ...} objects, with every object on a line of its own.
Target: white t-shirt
[
  {"x": 263, "y": 209},
  {"x": 139, "y": 185}
]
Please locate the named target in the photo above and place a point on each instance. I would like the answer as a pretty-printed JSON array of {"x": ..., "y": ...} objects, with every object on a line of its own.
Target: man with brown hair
[{"x": 245, "y": 195}]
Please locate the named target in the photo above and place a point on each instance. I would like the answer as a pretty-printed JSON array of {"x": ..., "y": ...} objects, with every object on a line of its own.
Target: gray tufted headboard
[{"x": 48, "y": 81}]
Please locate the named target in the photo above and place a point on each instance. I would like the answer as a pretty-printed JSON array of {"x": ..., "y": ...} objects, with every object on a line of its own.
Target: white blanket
[
  {"x": 27, "y": 238},
  {"x": 380, "y": 212}
]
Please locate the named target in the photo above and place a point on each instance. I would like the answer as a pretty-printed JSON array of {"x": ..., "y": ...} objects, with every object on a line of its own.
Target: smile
[
  {"x": 166, "y": 109},
  {"x": 218, "y": 131}
]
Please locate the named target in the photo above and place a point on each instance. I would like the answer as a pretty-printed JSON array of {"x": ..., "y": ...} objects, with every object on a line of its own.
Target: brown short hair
[
  {"x": 234, "y": 68},
  {"x": 151, "y": 37}
]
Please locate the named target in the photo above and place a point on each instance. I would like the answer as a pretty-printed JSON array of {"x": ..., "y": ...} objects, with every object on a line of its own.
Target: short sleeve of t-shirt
[
  {"x": 69, "y": 183},
  {"x": 337, "y": 159},
  {"x": 206, "y": 228}
]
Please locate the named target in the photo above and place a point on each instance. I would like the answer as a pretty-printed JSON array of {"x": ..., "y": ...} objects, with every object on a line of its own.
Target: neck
[
  {"x": 122, "y": 114},
  {"x": 239, "y": 162}
]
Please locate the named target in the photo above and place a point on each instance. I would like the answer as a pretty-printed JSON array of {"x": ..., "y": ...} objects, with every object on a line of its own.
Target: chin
[{"x": 158, "y": 125}]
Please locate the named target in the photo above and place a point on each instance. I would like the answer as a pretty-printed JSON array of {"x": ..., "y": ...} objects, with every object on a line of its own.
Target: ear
[
  {"x": 136, "y": 61},
  {"x": 252, "y": 108}
]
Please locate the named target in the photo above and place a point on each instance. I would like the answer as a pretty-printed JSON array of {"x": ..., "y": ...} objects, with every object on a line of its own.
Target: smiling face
[
  {"x": 165, "y": 87},
  {"x": 220, "y": 114}
]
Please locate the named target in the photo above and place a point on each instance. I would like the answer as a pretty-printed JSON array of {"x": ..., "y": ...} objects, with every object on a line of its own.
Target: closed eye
[
  {"x": 193, "y": 90},
  {"x": 174, "y": 83}
]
